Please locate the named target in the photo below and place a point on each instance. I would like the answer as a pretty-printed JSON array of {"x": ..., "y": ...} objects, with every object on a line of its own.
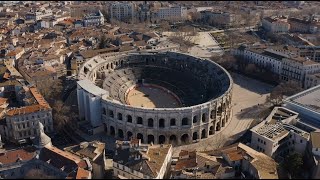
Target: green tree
[
  {"x": 293, "y": 163},
  {"x": 103, "y": 42}
]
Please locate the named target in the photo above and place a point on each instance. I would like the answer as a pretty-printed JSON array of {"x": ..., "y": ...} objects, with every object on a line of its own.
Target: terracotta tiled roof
[
  {"x": 25, "y": 154},
  {"x": 82, "y": 174}
]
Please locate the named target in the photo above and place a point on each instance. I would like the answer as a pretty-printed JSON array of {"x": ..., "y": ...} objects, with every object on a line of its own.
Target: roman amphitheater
[{"x": 159, "y": 97}]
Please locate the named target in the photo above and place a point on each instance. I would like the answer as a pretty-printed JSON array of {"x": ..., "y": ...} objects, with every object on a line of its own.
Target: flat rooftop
[{"x": 309, "y": 98}]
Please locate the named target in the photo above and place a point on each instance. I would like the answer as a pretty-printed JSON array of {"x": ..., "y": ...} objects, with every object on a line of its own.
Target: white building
[
  {"x": 93, "y": 19},
  {"x": 307, "y": 105},
  {"x": 262, "y": 57},
  {"x": 39, "y": 14},
  {"x": 276, "y": 137},
  {"x": 175, "y": 13},
  {"x": 275, "y": 25},
  {"x": 133, "y": 160},
  {"x": 312, "y": 80},
  {"x": 122, "y": 11},
  {"x": 296, "y": 69}
]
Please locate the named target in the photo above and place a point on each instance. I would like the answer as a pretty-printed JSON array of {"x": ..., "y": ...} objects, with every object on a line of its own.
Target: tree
[
  {"x": 293, "y": 163},
  {"x": 60, "y": 114},
  {"x": 37, "y": 174},
  {"x": 102, "y": 43},
  {"x": 226, "y": 60},
  {"x": 288, "y": 88}
]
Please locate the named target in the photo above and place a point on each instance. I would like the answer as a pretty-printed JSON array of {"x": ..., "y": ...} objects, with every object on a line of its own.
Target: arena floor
[{"x": 151, "y": 97}]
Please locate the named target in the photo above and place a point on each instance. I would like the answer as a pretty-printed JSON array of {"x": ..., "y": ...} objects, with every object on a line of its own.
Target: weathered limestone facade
[{"x": 106, "y": 106}]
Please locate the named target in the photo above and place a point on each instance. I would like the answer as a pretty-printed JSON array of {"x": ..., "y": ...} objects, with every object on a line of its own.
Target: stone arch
[
  {"x": 112, "y": 131},
  {"x": 218, "y": 127},
  {"x": 212, "y": 113},
  {"x": 111, "y": 114},
  {"x": 139, "y": 120},
  {"x": 161, "y": 123},
  {"x": 223, "y": 123},
  {"x": 185, "y": 121},
  {"x": 107, "y": 66},
  {"x": 204, "y": 117},
  {"x": 140, "y": 136},
  {"x": 195, "y": 119},
  {"x": 162, "y": 139},
  {"x": 211, "y": 130},
  {"x": 129, "y": 118},
  {"x": 111, "y": 65},
  {"x": 203, "y": 134},
  {"x": 129, "y": 135},
  {"x": 150, "y": 139},
  {"x": 173, "y": 139},
  {"x": 172, "y": 122},
  {"x": 120, "y": 116},
  {"x": 185, "y": 138},
  {"x": 116, "y": 63},
  {"x": 120, "y": 133},
  {"x": 195, "y": 136},
  {"x": 150, "y": 122},
  {"x": 121, "y": 62}
]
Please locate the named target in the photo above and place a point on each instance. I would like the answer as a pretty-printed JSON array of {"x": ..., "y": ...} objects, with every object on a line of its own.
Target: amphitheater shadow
[
  {"x": 254, "y": 112},
  {"x": 251, "y": 84}
]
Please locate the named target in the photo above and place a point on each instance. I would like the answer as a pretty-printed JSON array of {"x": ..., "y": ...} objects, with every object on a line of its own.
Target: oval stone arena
[{"x": 158, "y": 97}]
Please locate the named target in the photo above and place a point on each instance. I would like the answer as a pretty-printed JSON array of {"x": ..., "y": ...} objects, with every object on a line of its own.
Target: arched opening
[
  {"x": 195, "y": 119},
  {"x": 195, "y": 136},
  {"x": 112, "y": 131},
  {"x": 223, "y": 123},
  {"x": 203, "y": 134},
  {"x": 185, "y": 139},
  {"x": 147, "y": 61},
  {"x": 150, "y": 122},
  {"x": 120, "y": 116},
  {"x": 184, "y": 121},
  {"x": 162, "y": 139},
  {"x": 105, "y": 128},
  {"x": 161, "y": 123},
  {"x": 111, "y": 66},
  {"x": 172, "y": 122},
  {"x": 129, "y": 135},
  {"x": 121, "y": 62},
  {"x": 107, "y": 66},
  {"x": 129, "y": 119},
  {"x": 116, "y": 63},
  {"x": 218, "y": 127},
  {"x": 139, "y": 120},
  {"x": 219, "y": 110},
  {"x": 140, "y": 136},
  {"x": 150, "y": 139},
  {"x": 211, "y": 130},
  {"x": 173, "y": 139},
  {"x": 104, "y": 111},
  {"x": 204, "y": 117},
  {"x": 212, "y": 113},
  {"x": 120, "y": 133},
  {"x": 111, "y": 114}
]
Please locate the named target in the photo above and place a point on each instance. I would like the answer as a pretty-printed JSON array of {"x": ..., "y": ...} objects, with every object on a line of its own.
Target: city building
[
  {"x": 220, "y": 19},
  {"x": 276, "y": 25},
  {"x": 296, "y": 68},
  {"x": 93, "y": 19},
  {"x": 199, "y": 165},
  {"x": 314, "y": 154},
  {"x": 307, "y": 105},
  {"x": 303, "y": 25},
  {"x": 94, "y": 151},
  {"x": 122, "y": 11},
  {"x": 38, "y": 14},
  {"x": 276, "y": 137},
  {"x": 80, "y": 10},
  {"x": 312, "y": 80},
  {"x": 173, "y": 13},
  {"x": 133, "y": 160},
  {"x": 44, "y": 160},
  {"x": 250, "y": 163}
]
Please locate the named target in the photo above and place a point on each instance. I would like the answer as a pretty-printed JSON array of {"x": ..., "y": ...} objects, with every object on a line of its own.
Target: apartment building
[
  {"x": 93, "y": 19},
  {"x": 296, "y": 68},
  {"x": 276, "y": 25},
  {"x": 276, "y": 137},
  {"x": 38, "y": 14},
  {"x": 173, "y": 13},
  {"x": 303, "y": 25},
  {"x": 221, "y": 19},
  {"x": 134, "y": 160},
  {"x": 78, "y": 11},
  {"x": 312, "y": 80},
  {"x": 122, "y": 11}
]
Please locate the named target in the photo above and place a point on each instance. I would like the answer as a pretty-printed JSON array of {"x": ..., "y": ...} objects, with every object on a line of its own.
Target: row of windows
[{"x": 261, "y": 141}]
